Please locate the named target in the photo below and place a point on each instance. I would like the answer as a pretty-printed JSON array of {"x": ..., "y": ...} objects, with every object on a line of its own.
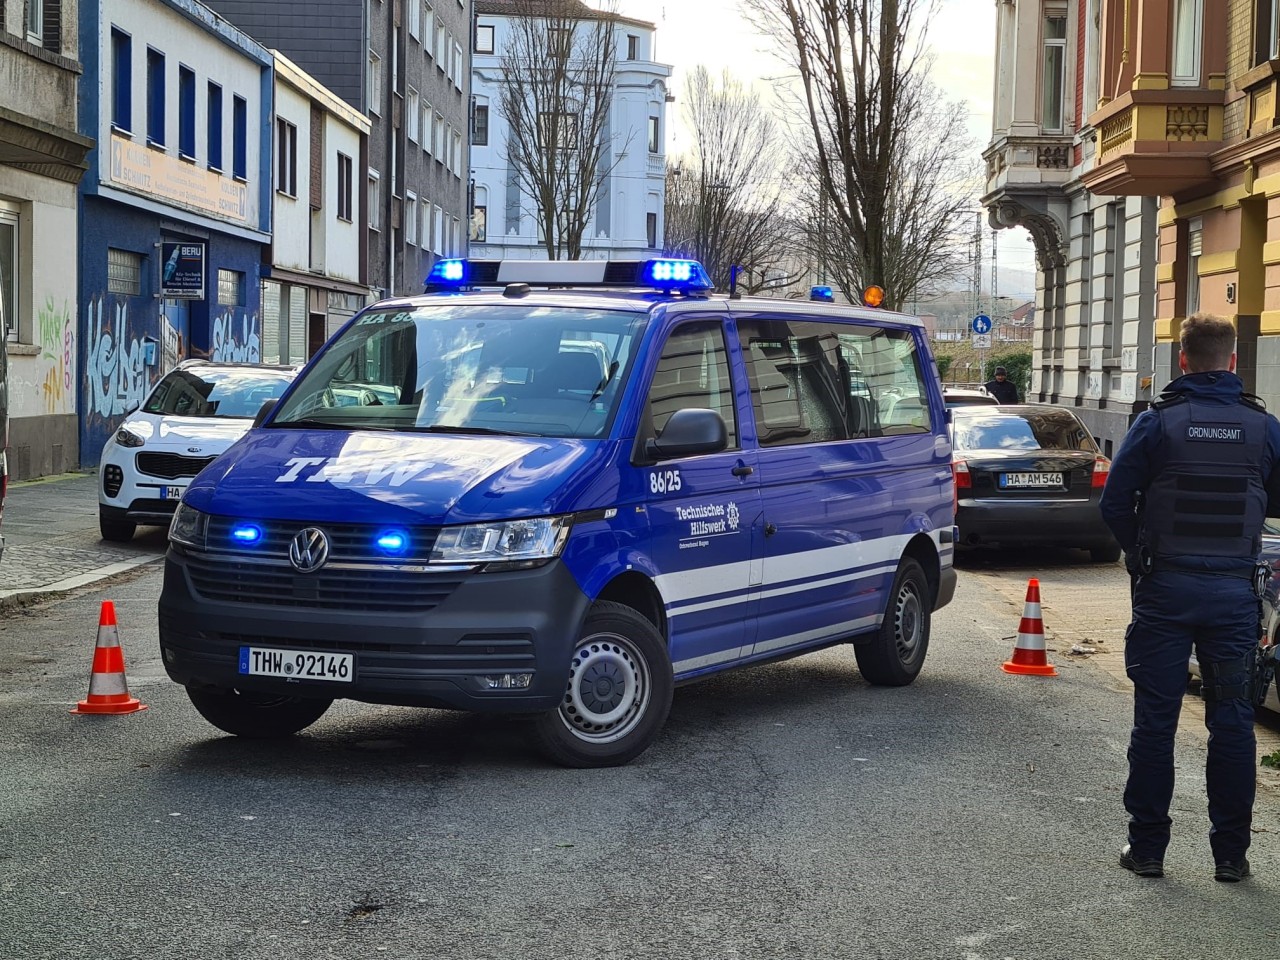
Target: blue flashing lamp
[
  {"x": 822, "y": 294},
  {"x": 246, "y": 533},
  {"x": 392, "y": 542},
  {"x": 674, "y": 275},
  {"x": 448, "y": 273}
]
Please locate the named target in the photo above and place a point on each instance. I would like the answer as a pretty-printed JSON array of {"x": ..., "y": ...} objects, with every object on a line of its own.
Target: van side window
[
  {"x": 819, "y": 382},
  {"x": 693, "y": 372}
]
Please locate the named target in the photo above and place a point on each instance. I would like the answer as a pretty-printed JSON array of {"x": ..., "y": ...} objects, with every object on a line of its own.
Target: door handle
[{"x": 742, "y": 470}]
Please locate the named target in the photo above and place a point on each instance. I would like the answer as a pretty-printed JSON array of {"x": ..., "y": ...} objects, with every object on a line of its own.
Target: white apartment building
[
  {"x": 1096, "y": 255},
  {"x": 317, "y": 276},
  {"x": 627, "y": 222}
]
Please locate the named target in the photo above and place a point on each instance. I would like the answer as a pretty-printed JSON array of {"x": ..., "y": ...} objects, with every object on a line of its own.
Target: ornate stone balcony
[
  {"x": 1156, "y": 142},
  {"x": 1026, "y": 176}
]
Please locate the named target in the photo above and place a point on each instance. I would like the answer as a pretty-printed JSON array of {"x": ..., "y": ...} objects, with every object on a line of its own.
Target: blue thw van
[{"x": 560, "y": 489}]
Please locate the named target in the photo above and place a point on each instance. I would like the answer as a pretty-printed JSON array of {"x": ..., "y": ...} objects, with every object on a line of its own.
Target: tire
[
  {"x": 608, "y": 727},
  {"x": 1108, "y": 554},
  {"x": 116, "y": 529},
  {"x": 255, "y": 715},
  {"x": 893, "y": 658}
]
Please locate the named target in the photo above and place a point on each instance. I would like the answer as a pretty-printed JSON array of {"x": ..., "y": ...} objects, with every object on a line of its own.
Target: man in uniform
[
  {"x": 1186, "y": 497},
  {"x": 1001, "y": 388}
]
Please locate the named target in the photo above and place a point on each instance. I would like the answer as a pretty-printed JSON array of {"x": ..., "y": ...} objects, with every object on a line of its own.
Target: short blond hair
[{"x": 1208, "y": 341}]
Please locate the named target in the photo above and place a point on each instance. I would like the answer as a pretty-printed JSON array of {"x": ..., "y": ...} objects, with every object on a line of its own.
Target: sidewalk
[{"x": 52, "y": 543}]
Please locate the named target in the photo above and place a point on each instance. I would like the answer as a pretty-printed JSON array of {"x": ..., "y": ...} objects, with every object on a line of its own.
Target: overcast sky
[{"x": 715, "y": 33}]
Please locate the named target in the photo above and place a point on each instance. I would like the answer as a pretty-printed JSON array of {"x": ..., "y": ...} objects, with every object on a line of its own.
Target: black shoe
[
  {"x": 1142, "y": 866},
  {"x": 1231, "y": 871}
]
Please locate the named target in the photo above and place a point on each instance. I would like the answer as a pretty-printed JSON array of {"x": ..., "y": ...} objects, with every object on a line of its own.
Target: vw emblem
[{"x": 309, "y": 550}]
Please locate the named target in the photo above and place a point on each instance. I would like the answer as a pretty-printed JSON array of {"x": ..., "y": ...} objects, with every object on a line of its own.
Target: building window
[
  {"x": 439, "y": 234},
  {"x": 215, "y": 126},
  {"x": 1188, "y": 20},
  {"x": 411, "y": 218},
  {"x": 558, "y": 131},
  {"x": 480, "y": 225},
  {"x": 344, "y": 188},
  {"x": 35, "y": 22},
  {"x": 654, "y": 138},
  {"x": 633, "y": 47},
  {"x": 457, "y": 68},
  {"x": 9, "y": 263},
  {"x": 456, "y": 155},
  {"x": 484, "y": 39},
  {"x": 121, "y": 81},
  {"x": 375, "y": 84},
  {"x": 375, "y": 200},
  {"x": 1194, "y": 246},
  {"x": 395, "y": 59},
  {"x": 651, "y": 229},
  {"x": 415, "y": 19},
  {"x": 480, "y": 126},
  {"x": 155, "y": 97},
  {"x": 230, "y": 288},
  {"x": 1052, "y": 113},
  {"x": 239, "y": 138},
  {"x": 1267, "y": 31},
  {"x": 411, "y": 112},
  {"x": 286, "y": 157},
  {"x": 437, "y": 139},
  {"x": 425, "y": 127},
  {"x": 428, "y": 30},
  {"x": 124, "y": 272},
  {"x": 186, "y": 112},
  {"x": 52, "y": 25}
]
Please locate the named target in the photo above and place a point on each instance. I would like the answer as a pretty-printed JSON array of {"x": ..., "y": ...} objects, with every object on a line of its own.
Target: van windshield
[{"x": 516, "y": 370}]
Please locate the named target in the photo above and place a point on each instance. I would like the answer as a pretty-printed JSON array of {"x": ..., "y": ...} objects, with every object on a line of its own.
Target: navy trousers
[{"x": 1218, "y": 615}]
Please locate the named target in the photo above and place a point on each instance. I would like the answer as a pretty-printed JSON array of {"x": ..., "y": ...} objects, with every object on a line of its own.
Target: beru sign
[{"x": 182, "y": 270}]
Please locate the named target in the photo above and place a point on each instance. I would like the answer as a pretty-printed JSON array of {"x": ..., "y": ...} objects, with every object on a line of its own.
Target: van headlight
[
  {"x": 190, "y": 527},
  {"x": 504, "y": 545}
]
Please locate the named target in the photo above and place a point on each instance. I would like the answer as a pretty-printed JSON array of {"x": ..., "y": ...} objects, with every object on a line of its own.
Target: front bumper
[
  {"x": 1066, "y": 523},
  {"x": 142, "y": 498},
  {"x": 524, "y": 621}
]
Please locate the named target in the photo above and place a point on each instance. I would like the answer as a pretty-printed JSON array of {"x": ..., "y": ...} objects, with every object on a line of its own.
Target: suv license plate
[
  {"x": 1029, "y": 480},
  {"x": 171, "y": 493},
  {"x": 297, "y": 664}
]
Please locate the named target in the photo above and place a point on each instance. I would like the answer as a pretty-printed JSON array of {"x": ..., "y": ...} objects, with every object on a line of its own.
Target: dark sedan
[{"x": 1029, "y": 474}]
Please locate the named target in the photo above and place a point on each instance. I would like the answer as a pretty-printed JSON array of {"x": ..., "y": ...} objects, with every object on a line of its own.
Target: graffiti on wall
[
  {"x": 57, "y": 346},
  {"x": 115, "y": 370},
  {"x": 236, "y": 344}
]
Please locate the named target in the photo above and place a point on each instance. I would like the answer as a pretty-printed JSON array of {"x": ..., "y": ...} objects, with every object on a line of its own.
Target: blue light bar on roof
[
  {"x": 448, "y": 273},
  {"x": 687, "y": 275},
  {"x": 823, "y": 294}
]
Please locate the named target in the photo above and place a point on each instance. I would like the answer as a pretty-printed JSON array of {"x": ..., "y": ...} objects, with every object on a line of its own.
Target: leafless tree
[
  {"x": 724, "y": 203},
  {"x": 558, "y": 72},
  {"x": 891, "y": 170}
]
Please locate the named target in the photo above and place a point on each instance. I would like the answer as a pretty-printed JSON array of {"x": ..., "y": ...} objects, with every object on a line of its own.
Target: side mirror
[
  {"x": 131, "y": 407},
  {"x": 689, "y": 433},
  {"x": 264, "y": 411}
]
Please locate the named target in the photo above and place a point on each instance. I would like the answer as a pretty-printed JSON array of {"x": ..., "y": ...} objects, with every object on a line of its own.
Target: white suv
[{"x": 190, "y": 417}]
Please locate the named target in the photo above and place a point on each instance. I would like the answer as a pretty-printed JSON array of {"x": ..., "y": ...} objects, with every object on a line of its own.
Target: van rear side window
[{"x": 818, "y": 382}]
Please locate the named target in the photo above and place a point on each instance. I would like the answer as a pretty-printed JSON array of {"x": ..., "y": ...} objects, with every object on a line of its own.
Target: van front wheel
[
  {"x": 617, "y": 696},
  {"x": 894, "y": 656}
]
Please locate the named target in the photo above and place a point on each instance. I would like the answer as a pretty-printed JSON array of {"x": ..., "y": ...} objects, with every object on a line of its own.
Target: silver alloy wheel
[
  {"x": 908, "y": 621},
  {"x": 608, "y": 690}
]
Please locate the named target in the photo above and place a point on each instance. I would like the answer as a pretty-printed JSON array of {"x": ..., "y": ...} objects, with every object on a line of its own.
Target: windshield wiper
[
  {"x": 484, "y": 431},
  {"x": 311, "y": 422}
]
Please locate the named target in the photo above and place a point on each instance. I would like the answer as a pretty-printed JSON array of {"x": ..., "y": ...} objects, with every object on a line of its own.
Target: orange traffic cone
[
  {"x": 108, "y": 692},
  {"x": 1029, "y": 652}
]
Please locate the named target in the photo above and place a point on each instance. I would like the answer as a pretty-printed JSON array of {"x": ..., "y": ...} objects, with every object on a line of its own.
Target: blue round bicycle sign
[{"x": 982, "y": 323}]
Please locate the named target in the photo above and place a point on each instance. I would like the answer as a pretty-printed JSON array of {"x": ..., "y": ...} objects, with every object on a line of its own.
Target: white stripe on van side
[
  {"x": 834, "y": 631},
  {"x": 752, "y": 594}
]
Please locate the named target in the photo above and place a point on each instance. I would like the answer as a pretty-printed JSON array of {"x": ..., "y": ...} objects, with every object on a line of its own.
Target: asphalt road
[{"x": 787, "y": 811}]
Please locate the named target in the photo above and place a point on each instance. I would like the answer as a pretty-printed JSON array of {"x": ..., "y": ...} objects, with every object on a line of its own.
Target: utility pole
[{"x": 995, "y": 300}]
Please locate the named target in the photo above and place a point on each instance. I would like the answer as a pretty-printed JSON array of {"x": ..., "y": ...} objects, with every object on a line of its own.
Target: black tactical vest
[{"x": 1208, "y": 497}]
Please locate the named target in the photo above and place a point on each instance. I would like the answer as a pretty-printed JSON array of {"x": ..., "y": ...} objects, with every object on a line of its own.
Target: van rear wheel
[
  {"x": 258, "y": 716},
  {"x": 617, "y": 696},
  {"x": 894, "y": 656}
]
